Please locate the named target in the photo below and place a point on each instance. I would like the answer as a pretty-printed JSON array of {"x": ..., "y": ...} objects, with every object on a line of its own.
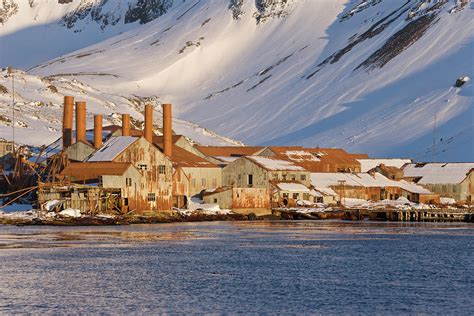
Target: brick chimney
[
  {"x": 167, "y": 130},
  {"x": 148, "y": 132},
  {"x": 81, "y": 121},
  {"x": 97, "y": 131},
  {"x": 125, "y": 124},
  {"x": 67, "y": 121}
]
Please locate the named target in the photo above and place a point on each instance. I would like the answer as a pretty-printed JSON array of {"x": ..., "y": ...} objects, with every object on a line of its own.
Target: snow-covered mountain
[
  {"x": 39, "y": 106},
  {"x": 372, "y": 76}
]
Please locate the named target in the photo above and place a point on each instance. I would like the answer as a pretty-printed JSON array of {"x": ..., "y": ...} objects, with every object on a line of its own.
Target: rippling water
[{"x": 245, "y": 267}]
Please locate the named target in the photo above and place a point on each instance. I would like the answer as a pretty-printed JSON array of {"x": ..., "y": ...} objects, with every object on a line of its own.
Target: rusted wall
[
  {"x": 143, "y": 152},
  {"x": 236, "y": 174},
  {"x": 250, "y": 198},
  {"x": 240, "y": 198}
]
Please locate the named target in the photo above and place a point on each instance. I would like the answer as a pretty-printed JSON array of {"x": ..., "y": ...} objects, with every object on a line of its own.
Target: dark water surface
[{"x": 245, "y": 267}]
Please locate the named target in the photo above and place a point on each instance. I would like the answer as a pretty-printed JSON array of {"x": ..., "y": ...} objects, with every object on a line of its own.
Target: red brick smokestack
[
  {"x": 167, "y": 130},
  {"x": 81, "y": 121},
  {"x": 125, "y": 124},
  {"x": 67, "y": 121},
  {"x": 149, "y": 122},
  {"x": 97, "y": 131}
]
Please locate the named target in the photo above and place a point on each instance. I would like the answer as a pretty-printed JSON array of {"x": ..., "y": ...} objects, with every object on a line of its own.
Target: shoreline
[{"x": 387, "y": 215}]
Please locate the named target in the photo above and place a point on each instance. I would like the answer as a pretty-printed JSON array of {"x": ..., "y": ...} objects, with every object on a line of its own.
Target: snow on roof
[
  {"x": 438, "y": 173},
  {"x": 275, "y": 164},
  {"x": 326, "y": 191},
  {"x": 112, "y": 148},
  {"x": 363, "y": 180},
  {"x": 300, "y": 155},
  {"x": 292, "y": 187},
  {"x": 368, "y": 164}
]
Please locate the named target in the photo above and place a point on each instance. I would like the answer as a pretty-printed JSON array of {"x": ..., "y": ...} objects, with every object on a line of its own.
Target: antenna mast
[
  {"x": 10, "y": 72},
  {"x": 434, "y": 139}
]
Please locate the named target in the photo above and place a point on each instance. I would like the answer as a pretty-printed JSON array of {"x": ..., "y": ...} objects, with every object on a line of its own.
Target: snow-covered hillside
[
  {"x": 39, "y": 106},
  {"x": 368, "y": 76}
]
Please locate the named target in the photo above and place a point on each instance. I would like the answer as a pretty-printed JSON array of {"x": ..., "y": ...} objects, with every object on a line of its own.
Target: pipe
[
  {"x": 125, "y": 124},
  {"x": 167, "y": 130},
  {"x": 81, "y": 121},
  {"x": 97, "y": 131},
  {"x": 67, "y": 121},
  {"x": 149, "y": 122}
]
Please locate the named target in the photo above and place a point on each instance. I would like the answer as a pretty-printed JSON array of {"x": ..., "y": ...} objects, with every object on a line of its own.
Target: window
[
  {"x": 250, "y": 180},
  {"x": 9, "y": 148},
  {"x": 284, "y": 177},
  {"x": 193, "y": 182},
  {"x": 296, "y": 196},
  {"x": 214, "y": 183},
  {"x": 125, "y": 201},
  {"x": 128, "y": 182},
  {"x": 162, "y": 169},
  {"x": 151, "y": 197},
  {"x": 275, "y": 176},
  {"x": 293, "y": 177},
  {"x": 142, "y": 167},
  {"x": 303, "y": 177},
  {"x": 306, "y": 196},
  {"x": 215, "y": 200},
  {"x": 203, "y": 182}
]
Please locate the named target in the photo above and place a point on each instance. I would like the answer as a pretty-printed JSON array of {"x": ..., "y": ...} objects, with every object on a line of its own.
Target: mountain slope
[
  {"x": 38, "y": 109},
  {"x": 368, "y": 76}
]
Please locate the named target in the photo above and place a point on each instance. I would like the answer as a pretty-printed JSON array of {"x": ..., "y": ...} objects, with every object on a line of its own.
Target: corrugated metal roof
[
  {"x": 292, "y": 187},
  {"x": 275, "y": 164},
  {"x": 369, "y": 164},
  {"x": 363, "y": 180},
  {"x": 228, "y": 151},
  {"x": 112, "y": 148},
  {"x": 439, "y": 173}
]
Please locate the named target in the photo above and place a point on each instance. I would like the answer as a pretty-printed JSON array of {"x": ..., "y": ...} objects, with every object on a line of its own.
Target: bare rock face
[
  {"x": 236, "y": 7},
  {"x": 147, "y": 10},
  {"x": 8, "y": 9},
  {"x": 271, "y": 9},
  {"x": 143, "y": 11}
]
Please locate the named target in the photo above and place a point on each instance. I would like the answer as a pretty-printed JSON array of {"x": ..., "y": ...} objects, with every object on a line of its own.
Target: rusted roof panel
[
  {"x": 229, "y": 151},
  {"x": 92, "y": 170},
  {"x": 183, "y": 158}
]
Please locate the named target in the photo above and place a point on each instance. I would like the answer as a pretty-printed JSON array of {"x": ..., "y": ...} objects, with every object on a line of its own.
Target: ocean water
[{"x": 317, "y": 267}]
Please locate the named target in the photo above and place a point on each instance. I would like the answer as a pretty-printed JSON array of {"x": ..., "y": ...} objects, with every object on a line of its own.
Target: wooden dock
[{"x": 413, "y": 215}]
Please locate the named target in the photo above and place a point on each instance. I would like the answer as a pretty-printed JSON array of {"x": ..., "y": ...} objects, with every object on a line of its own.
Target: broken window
[{"x": 151, "y": 197}]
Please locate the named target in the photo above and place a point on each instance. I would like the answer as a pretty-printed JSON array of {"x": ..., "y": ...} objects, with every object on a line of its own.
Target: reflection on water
[{"x": 239, "y": 267}]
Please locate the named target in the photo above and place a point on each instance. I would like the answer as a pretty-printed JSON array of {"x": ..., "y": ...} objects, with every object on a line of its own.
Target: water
[{"x": 245, "y": 267}]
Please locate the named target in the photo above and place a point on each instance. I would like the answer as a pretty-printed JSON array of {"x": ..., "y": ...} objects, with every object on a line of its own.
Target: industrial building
[{"x": 124, "y": 169}]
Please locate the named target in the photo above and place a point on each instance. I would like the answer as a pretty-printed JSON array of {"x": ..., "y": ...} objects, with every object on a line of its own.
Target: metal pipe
[
  {"x": 167, "y": 130},
  {"x": 67, "y": 121},
  {"x": 125, "y": 124},
  {"x": 149, "y": 122},
  {"x": 97, "y": 131},
  {"x": 81, "y": 121}
]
